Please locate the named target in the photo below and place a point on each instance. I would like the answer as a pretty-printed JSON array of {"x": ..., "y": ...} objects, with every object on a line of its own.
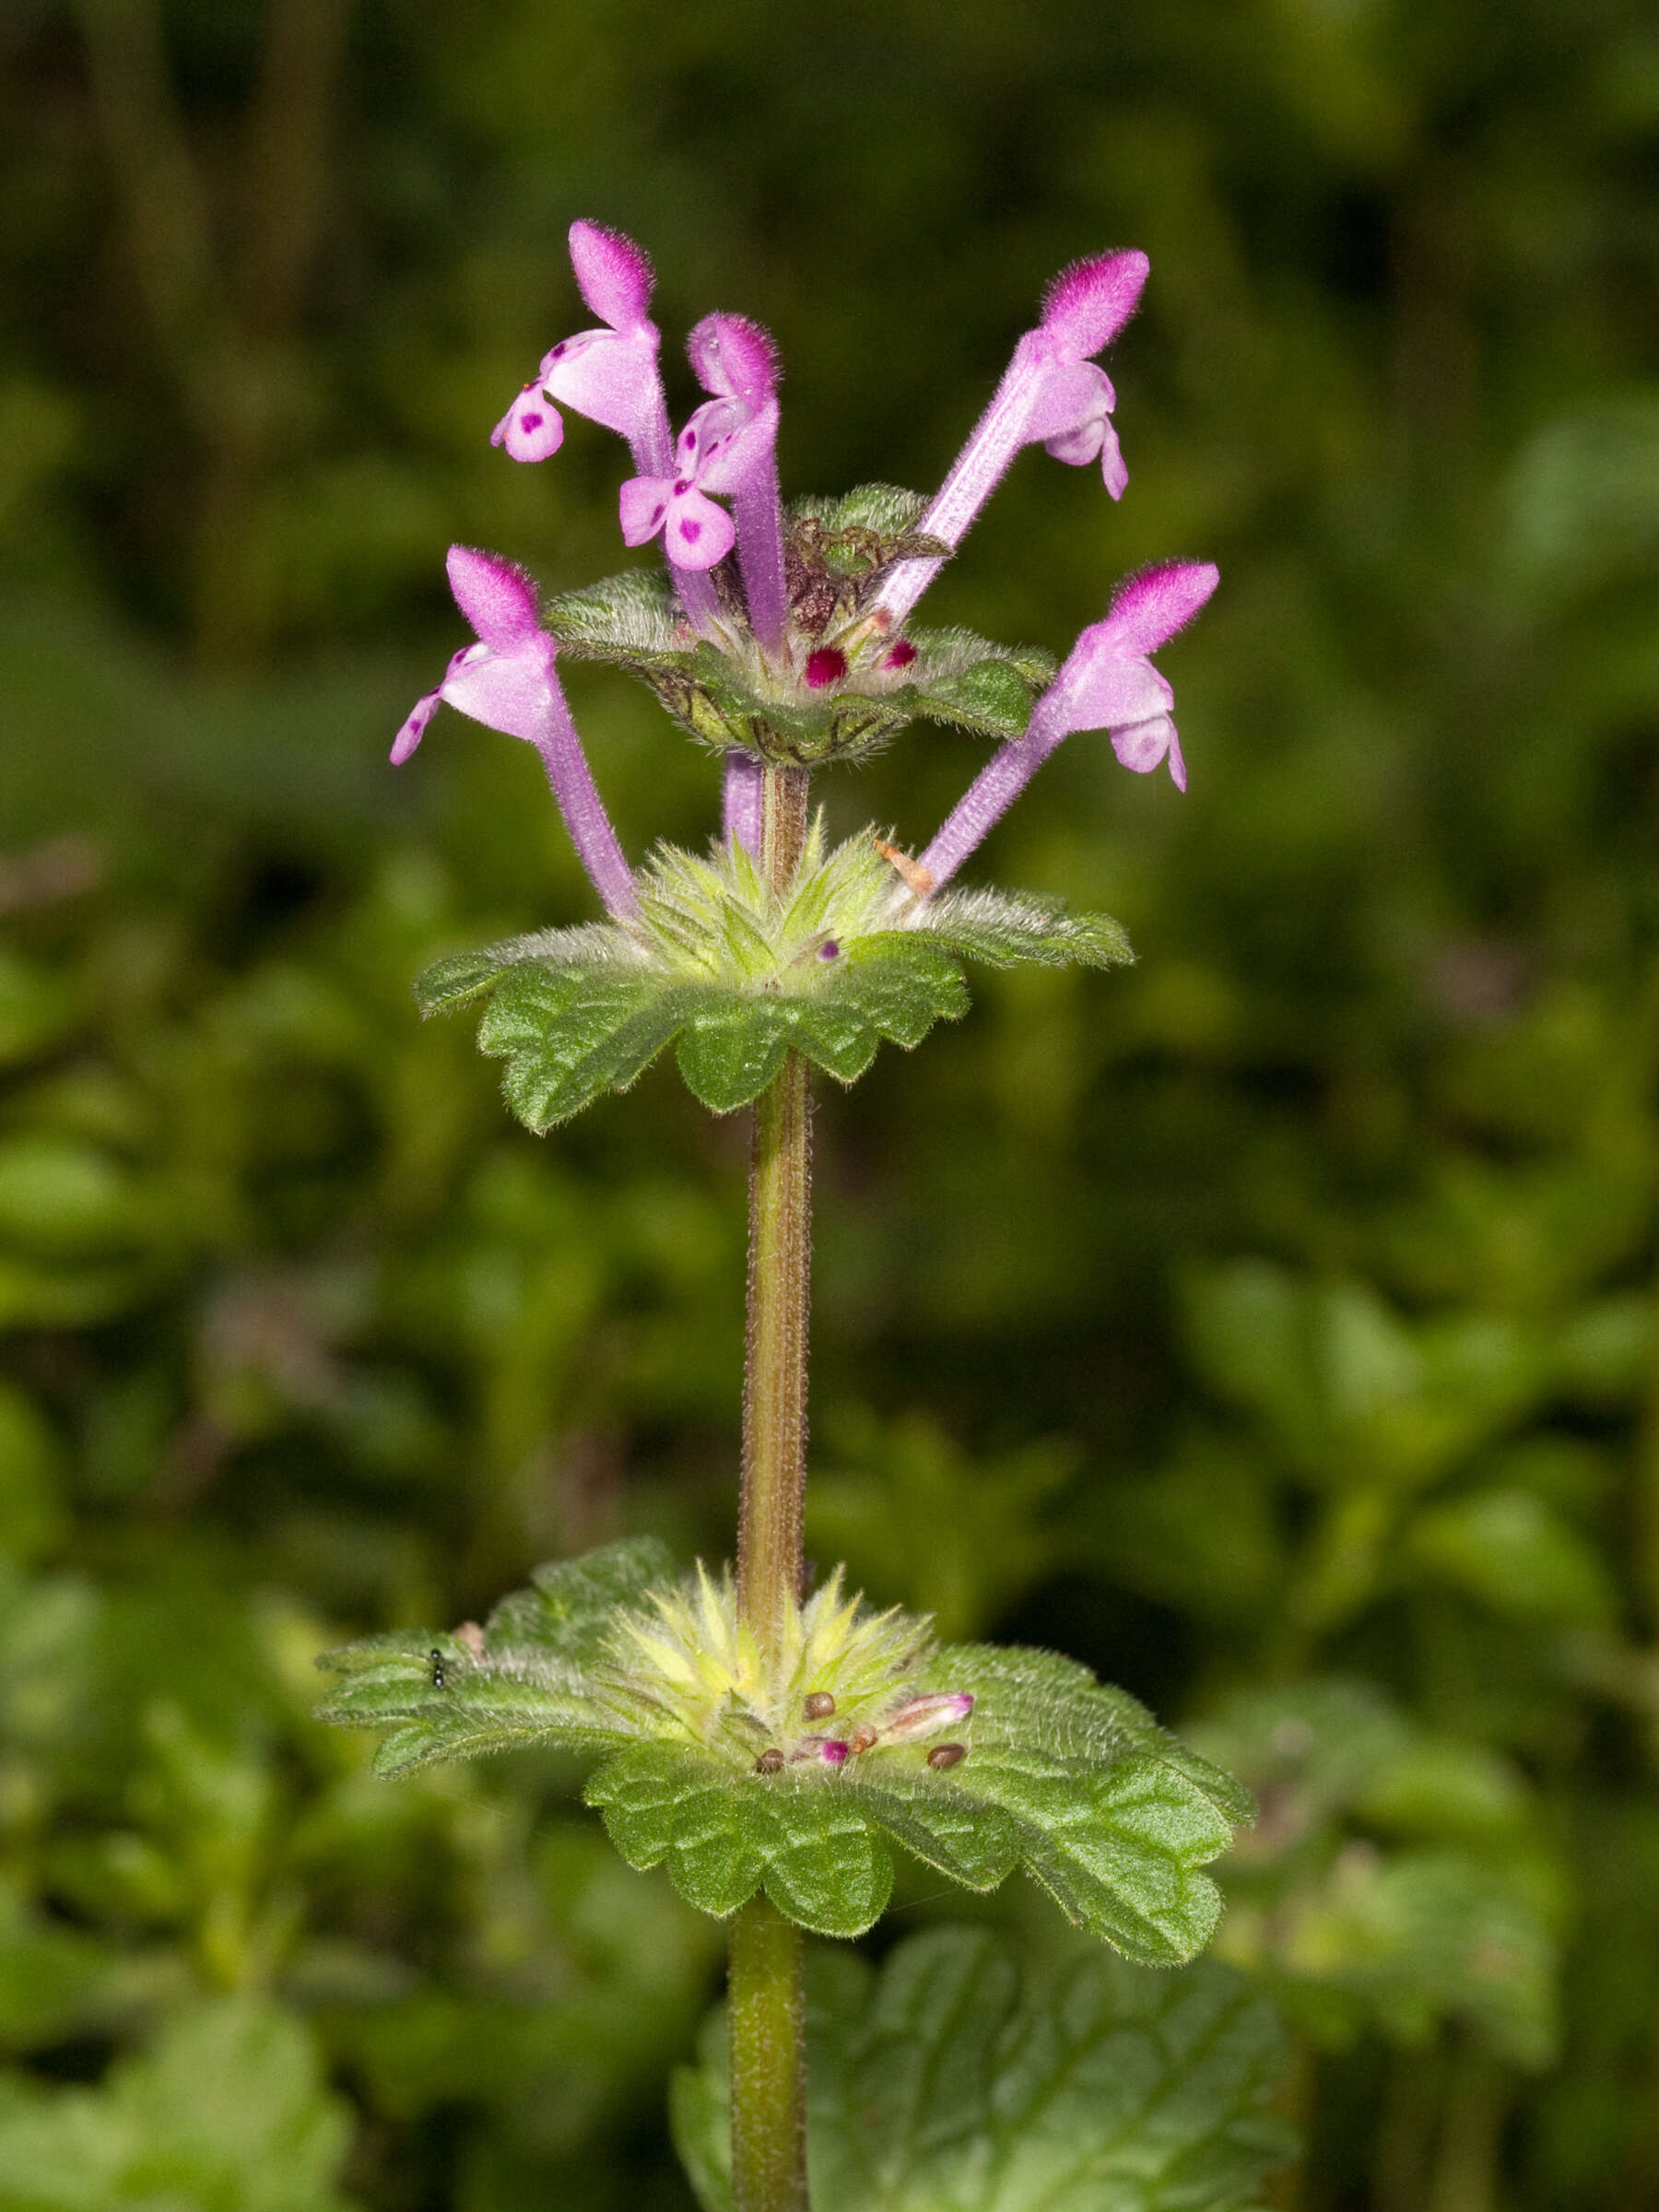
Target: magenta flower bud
[
  {"x": 899, "y": 657},
  {"x": 833, "y": 1753},
  {"x": 507, "y": 681},
  {"x": 925, "y": 1715},
  {"x": 825, "y": 666}
]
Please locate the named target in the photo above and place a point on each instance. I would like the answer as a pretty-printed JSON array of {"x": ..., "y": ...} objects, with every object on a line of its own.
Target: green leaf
[
  {"x": 229, "y": 2109},
  {"x": 1075, "y": 1782},
  {"x": 570, "y": 1607},
  {"x": 1517, "y": 1554},
  {"x": 1007, "y": 929},
  {"x": 976, "y": 683},
  {"x": 900, "y": 984},
  {"x": 730, "y": 1049},
  {"x": 884, "y": 509},
  {"x": 936, "y": 2082},
  {"x": 716, "y": 1768},
  {"x": 725, "y": 1835},
  {"x": 567, "y": 1036},
  {"x": 465, "y": 975},
  {"x": 537, "y": 1673},
  {"x": 633, "y": 620},
  {"x": 738, "y": 974}
]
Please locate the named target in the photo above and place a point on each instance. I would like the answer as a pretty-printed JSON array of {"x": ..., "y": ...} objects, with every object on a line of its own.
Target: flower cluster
[
  {"x": 690, "y": 1656},
  {"x": 808, "y": 626}
]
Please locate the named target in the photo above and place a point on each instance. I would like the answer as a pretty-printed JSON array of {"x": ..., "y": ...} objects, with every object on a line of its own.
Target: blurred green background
[{"x": 1272, "y": 1327}]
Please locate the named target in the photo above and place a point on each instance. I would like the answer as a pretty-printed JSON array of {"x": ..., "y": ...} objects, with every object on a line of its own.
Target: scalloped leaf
[
  {"x": 887, "y": 509},
  {"x": 1007, "y": 929},
  {"x": 633, "y": 620},
  {"x": 1076, "y": 1782},
  {"x": 568, "y": 1611},
  {"x": 1054, "y": 1772},
  {"x": 1072, "y": 1781},
  {"x": 937, "y": 2081},
  {"x": 991, "y": 699},
  {"x": 737, "y": 978},
  {"x": 567, "y": 1035},
  {"x": 723, "y": 1835}
]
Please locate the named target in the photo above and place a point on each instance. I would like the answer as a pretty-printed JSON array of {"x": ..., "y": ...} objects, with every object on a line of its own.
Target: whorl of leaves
[
  {"x": 736, "y": 975},
  {"x": 1060, "y": 1774}
]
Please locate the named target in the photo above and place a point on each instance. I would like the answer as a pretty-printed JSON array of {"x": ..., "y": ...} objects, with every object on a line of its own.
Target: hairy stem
[
  {"x": 768, "y": 2061},
  {"x": 774, "y": 1383},
  {"x": 766, "y": 2006}
]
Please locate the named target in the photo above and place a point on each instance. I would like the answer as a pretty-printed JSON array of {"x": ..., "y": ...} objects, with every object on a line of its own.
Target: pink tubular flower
[
  {"x": 507, "y": 681},
  {"x": 1106, "y": 683},
  {"x": 733, "y": 441},
  {"x": 1051, "y": 394},
  {"x": 609, "y": 376}
]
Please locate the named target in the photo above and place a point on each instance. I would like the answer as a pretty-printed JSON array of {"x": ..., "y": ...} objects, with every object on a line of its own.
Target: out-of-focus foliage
[{"x": 1270, "y": 1327}]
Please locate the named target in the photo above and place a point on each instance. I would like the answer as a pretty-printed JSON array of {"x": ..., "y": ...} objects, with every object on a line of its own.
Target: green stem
[
  {"x": 766, "y": 2006},
  {"x": 775, "y": 1381},
  {"x": 766, "y": 2015}
]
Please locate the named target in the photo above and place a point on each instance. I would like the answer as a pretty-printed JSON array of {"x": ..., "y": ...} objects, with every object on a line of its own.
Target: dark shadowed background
[{"x": 1271, "y": 1326}]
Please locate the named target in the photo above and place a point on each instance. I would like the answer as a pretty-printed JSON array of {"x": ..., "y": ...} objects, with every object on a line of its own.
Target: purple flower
[
  {"x": 728, "y": 446},
  {"x": 609, "y": 376},
  {"x": 1106, "y": 683},
  {"x": 507, "y": 681},
  {"x": 696, "y": 533},
  {"x": 1051, "y": 394},
  {"x": 733, "y": 440}
]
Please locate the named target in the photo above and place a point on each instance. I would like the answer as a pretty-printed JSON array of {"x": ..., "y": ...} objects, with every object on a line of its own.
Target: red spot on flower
[
  {"x": 530, "y": 422},
  {"x": 824, "y": 667},
  {"x": 901, "y": 656}
]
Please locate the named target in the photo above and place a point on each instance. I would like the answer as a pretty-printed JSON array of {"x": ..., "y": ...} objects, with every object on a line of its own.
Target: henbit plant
[{"x": 770, "y": 1745}]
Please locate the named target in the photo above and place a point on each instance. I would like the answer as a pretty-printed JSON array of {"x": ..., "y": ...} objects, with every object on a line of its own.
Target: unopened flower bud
[
  {"x": 921, "y": 1716},
  {"x": 833, "y": 1753}
]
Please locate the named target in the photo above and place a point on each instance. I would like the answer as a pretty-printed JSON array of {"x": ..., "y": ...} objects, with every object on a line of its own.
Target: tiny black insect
[{"x": 437, "y": 1658}]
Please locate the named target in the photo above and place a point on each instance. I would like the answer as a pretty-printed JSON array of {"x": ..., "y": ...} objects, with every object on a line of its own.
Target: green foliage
[
  {"x": 937, "y": 2081},
  {"x": 229, "y": 2107},
  {"x": 322, "y": 1348},
  {"x": 1396, "y": 1879},
  {"x": 1053, "y": 1773},
  {"x": 738, "y": 975}
]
